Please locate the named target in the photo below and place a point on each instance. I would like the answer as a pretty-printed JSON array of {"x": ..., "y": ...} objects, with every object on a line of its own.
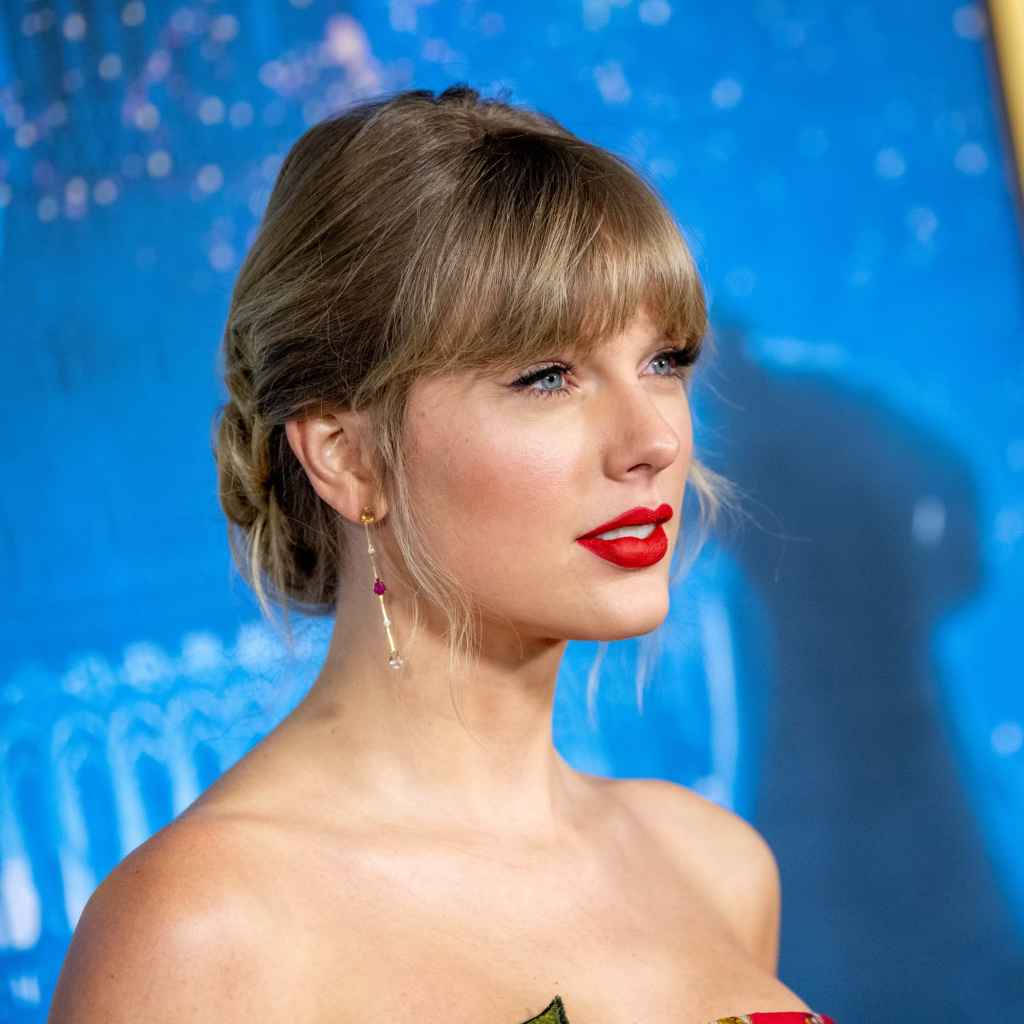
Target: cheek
[
  {"x": 495, "y": 491},
  {"x": 508, "y": 478}
]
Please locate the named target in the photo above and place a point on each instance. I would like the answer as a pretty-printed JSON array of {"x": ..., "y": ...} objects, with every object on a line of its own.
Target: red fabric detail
[{"x": 789, "y": 1017}]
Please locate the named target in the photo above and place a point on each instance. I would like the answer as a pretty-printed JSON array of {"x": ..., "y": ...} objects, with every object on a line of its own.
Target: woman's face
[{"x": 509, "y": 477}]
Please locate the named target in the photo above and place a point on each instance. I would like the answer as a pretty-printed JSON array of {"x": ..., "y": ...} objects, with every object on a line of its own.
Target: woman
[{"x": 458, "y": 355}]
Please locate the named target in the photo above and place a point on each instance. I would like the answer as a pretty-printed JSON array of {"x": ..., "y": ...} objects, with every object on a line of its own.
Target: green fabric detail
[{"x": 554, "y": 1013}]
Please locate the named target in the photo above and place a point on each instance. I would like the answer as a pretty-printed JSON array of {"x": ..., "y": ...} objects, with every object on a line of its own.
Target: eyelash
[{"x": 684, "y": 357}]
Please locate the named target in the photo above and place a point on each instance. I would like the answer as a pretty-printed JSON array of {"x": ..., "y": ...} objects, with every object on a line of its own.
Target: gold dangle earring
[{"x": 395, "y": 659}]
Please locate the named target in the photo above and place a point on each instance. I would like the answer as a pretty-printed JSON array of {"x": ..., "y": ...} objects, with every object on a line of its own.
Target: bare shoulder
[
  {"x": 721, "y": 852},
  {"x": 175, "y": 932},
  {"x": 711, "y": 828}
]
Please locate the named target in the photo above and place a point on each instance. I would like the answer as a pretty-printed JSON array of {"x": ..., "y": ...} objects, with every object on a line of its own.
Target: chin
[{"x": 625, "y": 623}]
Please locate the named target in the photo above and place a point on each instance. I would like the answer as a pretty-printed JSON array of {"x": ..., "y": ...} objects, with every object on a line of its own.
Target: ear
[{"x": 333, "y": 451}]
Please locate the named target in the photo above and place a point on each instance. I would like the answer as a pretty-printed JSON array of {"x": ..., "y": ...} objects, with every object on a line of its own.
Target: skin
[{"x": 370, "y": 853}]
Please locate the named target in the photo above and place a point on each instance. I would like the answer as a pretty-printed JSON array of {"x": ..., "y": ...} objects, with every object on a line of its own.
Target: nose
[{"x": 640, "y": 429}]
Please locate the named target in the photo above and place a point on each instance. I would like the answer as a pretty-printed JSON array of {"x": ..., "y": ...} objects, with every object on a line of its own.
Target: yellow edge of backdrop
[{"x": 1007, "y": 17}]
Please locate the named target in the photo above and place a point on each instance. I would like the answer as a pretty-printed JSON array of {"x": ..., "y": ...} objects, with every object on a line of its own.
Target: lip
[
  {"x": 639, "y": 516},
  {"x": 631, "y": 552}
]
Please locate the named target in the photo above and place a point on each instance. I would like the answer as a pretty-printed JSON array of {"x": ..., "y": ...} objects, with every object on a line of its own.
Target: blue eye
[
  {"x": 681, "y": 359},
  {"x": 538, "y": 375}
]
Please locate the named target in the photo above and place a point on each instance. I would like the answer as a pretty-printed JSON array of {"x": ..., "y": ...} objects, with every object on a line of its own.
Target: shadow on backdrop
[{"x": 891, "y": 907}]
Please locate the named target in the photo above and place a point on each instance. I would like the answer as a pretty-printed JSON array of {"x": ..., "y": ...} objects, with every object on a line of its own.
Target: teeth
[{"x": 629, "y": 531}]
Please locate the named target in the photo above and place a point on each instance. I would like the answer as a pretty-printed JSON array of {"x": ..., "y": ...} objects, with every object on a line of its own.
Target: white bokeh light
[
  {"x": 1007, "y": 738},
  {"x": 74, "y": 27},
  {"x": 611, "y": 82},
  {"x": 224, "y": 28},
  {"x": 969, "y": 22},
  {"x": 158, "y": 163},
  {"x": 146, "y": 117},
  {"x": 654, "y": 12},
  {"x": 26, "y": 135},
  {"x": 928, "y": 521},
  {"x": 110, "y": 67},
  {"x": 105, "y": 191},
  {"x": 889, "y": 163},
  {"x": 726, "y": 93},
  {"x": 971, "y": 159},
  {"x": 923, "y": 222},
  {"x": 47, "y": 209},
  {"x": 222, "y": 256},
  {"x": 211, "y": 110},
  {"x": 133, "y": 13},
  {"x": 210, "y": 178}
]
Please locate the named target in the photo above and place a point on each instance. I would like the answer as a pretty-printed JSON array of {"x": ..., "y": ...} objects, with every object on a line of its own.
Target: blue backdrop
[{"x": 843, "y": 669}]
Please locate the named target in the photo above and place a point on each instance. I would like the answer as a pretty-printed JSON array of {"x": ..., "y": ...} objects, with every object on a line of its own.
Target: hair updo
[{"x": 410, "y": 235}]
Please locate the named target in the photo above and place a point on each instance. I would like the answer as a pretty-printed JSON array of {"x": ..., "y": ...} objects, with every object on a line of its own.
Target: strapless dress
[{"x": 554, "y": 1013}]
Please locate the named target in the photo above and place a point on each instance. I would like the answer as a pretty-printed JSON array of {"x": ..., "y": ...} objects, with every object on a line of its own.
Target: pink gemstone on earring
[{"x": 378, "y": 586}]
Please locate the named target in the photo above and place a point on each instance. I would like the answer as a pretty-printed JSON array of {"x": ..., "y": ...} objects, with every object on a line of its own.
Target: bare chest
[{"x": 446, "y": 936}]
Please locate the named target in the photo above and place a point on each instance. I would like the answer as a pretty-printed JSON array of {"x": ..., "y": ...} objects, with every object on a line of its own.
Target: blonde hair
[{"x": 412, "y": 235}]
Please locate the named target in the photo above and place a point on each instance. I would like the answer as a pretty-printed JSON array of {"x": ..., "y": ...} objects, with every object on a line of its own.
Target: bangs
[{"x": 552, "y": 245}]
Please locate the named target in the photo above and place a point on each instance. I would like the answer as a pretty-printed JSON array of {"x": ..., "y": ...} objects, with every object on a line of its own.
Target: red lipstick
[{"x": 631, "y": 552}]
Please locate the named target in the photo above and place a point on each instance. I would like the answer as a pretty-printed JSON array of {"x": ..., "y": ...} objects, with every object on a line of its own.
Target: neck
[{"x": 420, "y": 748}]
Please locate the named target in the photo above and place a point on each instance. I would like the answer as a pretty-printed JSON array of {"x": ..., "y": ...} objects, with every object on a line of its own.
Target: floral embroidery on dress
[{"x": 553, "y": 1013}]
